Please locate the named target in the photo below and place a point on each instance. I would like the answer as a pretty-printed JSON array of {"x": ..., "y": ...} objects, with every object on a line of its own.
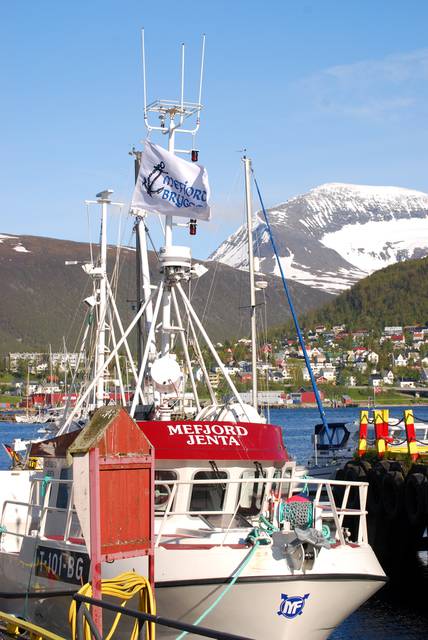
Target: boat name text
[{"x": 203, "y": 434}]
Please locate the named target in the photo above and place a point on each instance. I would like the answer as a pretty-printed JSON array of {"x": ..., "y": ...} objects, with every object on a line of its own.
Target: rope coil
[{"x": 124, "y": 587}]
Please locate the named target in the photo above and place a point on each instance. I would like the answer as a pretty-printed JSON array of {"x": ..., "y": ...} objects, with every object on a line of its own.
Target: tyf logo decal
[{"x": 292, "y": 606}]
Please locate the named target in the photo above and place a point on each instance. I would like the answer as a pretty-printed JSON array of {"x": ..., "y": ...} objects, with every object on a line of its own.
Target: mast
[
  {"x": 166, "y": 302},
  {"x": 172, "y": 114},
  {"x": 103, "y": 198},
  {"x": 248, "y": 206},
  {"x": 137, "y": 161}
]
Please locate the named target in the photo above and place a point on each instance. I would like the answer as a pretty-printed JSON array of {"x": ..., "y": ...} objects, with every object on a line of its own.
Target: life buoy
[
  {"x": 415, "y": 497},
  {"x": 392, "y": 494}
]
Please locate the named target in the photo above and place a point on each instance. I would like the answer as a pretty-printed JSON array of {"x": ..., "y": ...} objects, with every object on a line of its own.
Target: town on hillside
[{"x": 351, "y": 368}]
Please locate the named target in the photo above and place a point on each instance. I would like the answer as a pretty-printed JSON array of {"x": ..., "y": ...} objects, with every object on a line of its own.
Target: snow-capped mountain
[{"x": 336, "y": 234}]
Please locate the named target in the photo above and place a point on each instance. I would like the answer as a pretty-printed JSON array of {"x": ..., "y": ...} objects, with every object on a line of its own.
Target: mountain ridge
[
  {"x": 41, "y": 297},
  {"x": 336, "y": 234}
]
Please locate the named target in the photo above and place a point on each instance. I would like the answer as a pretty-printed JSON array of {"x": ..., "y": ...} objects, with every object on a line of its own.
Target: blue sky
[{"x": 317, "y": 91}]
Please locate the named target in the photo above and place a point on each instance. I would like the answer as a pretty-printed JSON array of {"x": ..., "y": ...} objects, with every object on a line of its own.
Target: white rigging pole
[
  {"x": 249, "y": 210},
  {"x": 103, "y": 199}
]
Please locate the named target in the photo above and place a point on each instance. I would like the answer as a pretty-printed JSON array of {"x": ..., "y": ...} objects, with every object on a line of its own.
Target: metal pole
[
  {"x": 122, "y": 331},
  {"x": 91, "y": 386},
  {"x": 201, "y": 360},
  {"x": 185, "y": 350},
  {"x": 95, "y": 542},
  {"x": 146, "y": 350},
  {"x": 145, "y": 274},
  {"x": 137, "y": 162},
  {"x": 211, "y": 347},
  {"x": 117, "y": 360},
  {"x": 248, "y": 206},
  {"x": 101, "y": 343},
  {"x": 166, "y": 302}
]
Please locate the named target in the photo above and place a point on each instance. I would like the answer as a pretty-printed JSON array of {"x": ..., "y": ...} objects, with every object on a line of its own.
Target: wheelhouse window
[
  {"x": 208, "y": 497},
  {"x": 251, "y": 493},
  {"x": 163, "y": 491}
]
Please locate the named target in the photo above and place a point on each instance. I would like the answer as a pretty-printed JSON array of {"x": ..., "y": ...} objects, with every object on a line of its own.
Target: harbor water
[{"x": 385, "y": 617}]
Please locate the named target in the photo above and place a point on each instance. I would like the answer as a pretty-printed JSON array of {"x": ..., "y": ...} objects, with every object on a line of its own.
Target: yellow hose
[{"x": 124, "y": 587}]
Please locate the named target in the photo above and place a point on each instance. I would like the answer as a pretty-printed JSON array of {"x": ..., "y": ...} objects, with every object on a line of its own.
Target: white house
[
  {"x": 388, "y": 377},
  {"x": 372, "y": 357},
  {"x": 399, "y": 361}
]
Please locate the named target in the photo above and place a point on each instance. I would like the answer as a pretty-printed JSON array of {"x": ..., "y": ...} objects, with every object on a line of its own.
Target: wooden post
[
  {"x": 362, "y": 440},
  {"x": 379, "y": 433},
  {"x": 94, "y": 505},
  {"x": 412, "y": 445}
]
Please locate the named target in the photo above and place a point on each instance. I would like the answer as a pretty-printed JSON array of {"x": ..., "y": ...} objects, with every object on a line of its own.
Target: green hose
[{"x": 228, "y": 587}]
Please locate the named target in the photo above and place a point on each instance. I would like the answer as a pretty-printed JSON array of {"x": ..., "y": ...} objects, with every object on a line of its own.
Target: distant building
[
  {"x": 390, "y": 331},
  {"x": 406, "y": 383}
]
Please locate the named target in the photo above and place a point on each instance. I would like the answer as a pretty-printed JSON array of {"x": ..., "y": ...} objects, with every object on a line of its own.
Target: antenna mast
[{"x": 171, "y": 115}]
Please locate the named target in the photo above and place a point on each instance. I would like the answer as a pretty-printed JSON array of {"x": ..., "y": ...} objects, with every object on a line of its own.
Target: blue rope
[{"x": 296, "y": 322}]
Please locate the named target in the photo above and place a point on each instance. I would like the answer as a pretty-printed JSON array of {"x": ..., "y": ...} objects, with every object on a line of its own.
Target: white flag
[{"x": 170, "y": 185}]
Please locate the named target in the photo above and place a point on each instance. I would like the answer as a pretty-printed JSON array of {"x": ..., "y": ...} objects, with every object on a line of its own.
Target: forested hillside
[{"x": 396, "y": 295}]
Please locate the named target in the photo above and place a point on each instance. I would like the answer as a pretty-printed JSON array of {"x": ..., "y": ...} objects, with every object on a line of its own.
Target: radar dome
[{"x": 166, "y": 374}]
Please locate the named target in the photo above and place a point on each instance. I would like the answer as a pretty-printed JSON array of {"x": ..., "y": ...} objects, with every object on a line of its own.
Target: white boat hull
[{"x": 267, "y": 601}]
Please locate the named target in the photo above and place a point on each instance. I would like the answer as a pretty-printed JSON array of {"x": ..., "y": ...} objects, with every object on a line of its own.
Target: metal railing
[
  {"x": 322, "y": 497},
  {"x": 324, "y": 504},
  {"x": 38, "y": 507}
]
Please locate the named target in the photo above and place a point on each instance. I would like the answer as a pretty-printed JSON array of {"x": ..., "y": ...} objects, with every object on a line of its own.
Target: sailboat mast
[{"x": 248, "y": 206}]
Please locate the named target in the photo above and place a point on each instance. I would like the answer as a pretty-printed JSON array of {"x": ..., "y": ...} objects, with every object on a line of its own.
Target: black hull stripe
[{"x": 328, "y": 577}]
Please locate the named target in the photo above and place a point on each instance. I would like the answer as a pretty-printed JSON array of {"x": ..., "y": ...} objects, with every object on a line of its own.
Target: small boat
[{"x": 334, "y": 447}]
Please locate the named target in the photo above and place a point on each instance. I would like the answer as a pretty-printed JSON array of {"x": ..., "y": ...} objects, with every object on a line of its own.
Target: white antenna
[
  {"x": 168, "y": 110},
  {"x": 144, "y": 76},
  {"x": 201, "y": 74},
  {"x": 182, "y": 82}
]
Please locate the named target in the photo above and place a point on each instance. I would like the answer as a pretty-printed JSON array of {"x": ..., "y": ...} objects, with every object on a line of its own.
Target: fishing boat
[{"x": 240, "y": 542}]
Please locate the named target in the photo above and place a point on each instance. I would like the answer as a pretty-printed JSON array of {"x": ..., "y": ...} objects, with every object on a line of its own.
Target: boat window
[
  {"x": 163, "y": 491},
  {"x": 208, "y": 497},
  {"x": 251, "y": 494}
]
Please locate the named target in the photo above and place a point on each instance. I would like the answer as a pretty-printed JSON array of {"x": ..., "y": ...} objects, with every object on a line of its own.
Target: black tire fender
[
  {"x": 354, "y": 473},
  {"x": 339, "y": 490},
  {"x": 374, "y": 498},
  {"x": 365, "y": 466},
  {"x": 392, "y": 494},
  {"x": 415, "y": 497}
]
